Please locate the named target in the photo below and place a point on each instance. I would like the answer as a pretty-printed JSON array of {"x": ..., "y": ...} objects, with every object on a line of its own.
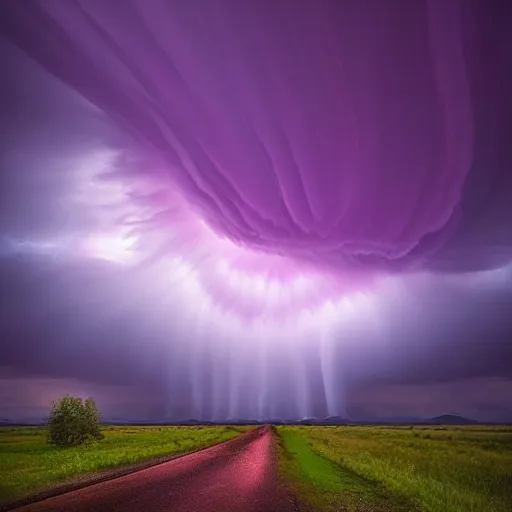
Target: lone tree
[{"x": 73, "y": 422}]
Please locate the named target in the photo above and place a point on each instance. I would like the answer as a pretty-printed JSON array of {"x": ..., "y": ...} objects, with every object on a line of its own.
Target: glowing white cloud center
[{"x": 232, "y": 287}]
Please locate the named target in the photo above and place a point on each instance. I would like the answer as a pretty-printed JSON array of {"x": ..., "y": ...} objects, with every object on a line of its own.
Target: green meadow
[
  {"x": 380, "y": 469},
  {"x": 329, "y": 469},
  {"x": 28, "y": 464}
]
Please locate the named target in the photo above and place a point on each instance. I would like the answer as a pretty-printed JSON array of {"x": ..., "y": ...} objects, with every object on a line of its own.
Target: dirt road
[{"x": 235, "y": 476}]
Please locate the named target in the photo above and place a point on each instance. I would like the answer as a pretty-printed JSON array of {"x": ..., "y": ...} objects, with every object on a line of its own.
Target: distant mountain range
[
  {"x": 452, "y": 419},
  {"x": 445, "y": 419}
]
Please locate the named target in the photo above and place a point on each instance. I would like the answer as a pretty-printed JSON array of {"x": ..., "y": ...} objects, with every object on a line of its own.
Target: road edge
[{"x": 88, "y": 479}]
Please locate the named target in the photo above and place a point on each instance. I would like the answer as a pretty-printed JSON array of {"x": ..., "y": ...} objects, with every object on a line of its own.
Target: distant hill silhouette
[
  {"x": 330, "y": 420},
  {"x": 452, "y": 419},
  {"x": 444, "y": 419}
]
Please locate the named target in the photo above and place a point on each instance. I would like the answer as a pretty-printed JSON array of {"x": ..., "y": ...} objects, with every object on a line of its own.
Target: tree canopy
[{"x": 73, "y": 422}]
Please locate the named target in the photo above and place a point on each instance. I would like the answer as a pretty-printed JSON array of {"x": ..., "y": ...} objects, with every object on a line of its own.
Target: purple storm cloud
[{"x": 293, "y": 183}]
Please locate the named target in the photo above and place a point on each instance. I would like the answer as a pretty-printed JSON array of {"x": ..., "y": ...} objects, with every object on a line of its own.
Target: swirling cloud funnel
[{"x": 325, "y": 131}]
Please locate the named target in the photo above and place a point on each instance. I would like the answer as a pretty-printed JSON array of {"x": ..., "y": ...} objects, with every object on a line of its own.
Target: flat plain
[
  {"x": 398, "y": 469},
  {"x": 29, "y": 465},
  {"x": 328, "y": 469}
]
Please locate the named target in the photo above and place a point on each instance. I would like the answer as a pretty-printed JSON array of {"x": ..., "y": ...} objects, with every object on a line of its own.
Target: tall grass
[
  {"x": 322, "y": 485},
  {"x": 440, "y": 469}
]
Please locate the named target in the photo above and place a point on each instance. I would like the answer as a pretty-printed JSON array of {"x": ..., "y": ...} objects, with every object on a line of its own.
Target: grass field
[
  {"x": 443, "y": 469},
  {"x": 28, "y": 464},
  {"x": 356, "y": 469}
]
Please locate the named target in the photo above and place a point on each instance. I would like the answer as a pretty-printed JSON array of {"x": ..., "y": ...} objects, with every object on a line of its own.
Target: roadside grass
[
  {"x": 322, "y": 485},
  {"x": 28, "y": 464},
  {"x": 437, "y": 469}
]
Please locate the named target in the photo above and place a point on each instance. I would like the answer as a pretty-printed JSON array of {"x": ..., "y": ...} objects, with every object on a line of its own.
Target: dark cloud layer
[
  {"x": 54, "y": 324},
  {"x": 488, "y": 400},
  {"x": 351, "y": 136}
]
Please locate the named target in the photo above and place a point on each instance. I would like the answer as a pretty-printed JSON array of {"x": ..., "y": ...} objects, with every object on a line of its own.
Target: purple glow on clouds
[
  {"x": 283, "y": 142},
  {"x": 276, "y": 174}
]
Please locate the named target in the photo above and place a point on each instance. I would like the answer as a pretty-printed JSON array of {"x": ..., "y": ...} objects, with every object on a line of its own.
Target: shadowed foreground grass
[
  {"x": 28, "y": 464},
  {"x": 452, "y": 469}
]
